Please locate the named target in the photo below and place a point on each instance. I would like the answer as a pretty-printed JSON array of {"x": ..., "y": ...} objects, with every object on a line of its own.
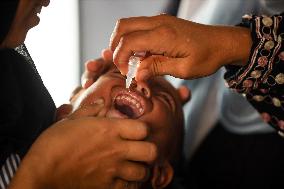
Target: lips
[
  {"x": 38, "y": 9},
  {"x": 129, "y": 103}
]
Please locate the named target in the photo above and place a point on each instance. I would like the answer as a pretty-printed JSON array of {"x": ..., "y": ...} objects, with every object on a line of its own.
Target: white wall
[
  {"x": 54, "y": 47},
  {"x": 98, "y": 18},
  {"x": 54, "y": 43}
]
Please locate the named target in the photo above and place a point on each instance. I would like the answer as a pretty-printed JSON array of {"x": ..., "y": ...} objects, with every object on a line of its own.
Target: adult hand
[
  {"x": 95, "y": 68},
  {"x": 86, "y": 153},
  {"x": 179, "y": 47}
]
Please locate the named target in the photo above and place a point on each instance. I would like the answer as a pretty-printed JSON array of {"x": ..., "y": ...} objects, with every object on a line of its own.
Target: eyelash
[{"x": 166, "y": 98}]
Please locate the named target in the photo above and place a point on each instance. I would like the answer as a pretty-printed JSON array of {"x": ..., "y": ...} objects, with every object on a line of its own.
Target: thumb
[
  {"x": 156, "y": 65},
  {"x": 89, "y": 110}
]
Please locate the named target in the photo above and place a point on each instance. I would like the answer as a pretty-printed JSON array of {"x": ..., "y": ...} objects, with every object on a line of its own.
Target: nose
[
  {"x": 45, "y": 3},
  {"x": 142, "y": 87}
]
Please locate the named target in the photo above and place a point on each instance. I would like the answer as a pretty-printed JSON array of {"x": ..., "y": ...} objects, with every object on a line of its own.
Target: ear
[
  {"x": 184, "y": 94},
  {"x": 162, "y": 175},
  {"x": 63, "y": 111}
]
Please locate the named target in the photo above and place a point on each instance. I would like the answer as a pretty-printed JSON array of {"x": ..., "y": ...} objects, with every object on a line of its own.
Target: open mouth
[{"x": 129, "y": 104}]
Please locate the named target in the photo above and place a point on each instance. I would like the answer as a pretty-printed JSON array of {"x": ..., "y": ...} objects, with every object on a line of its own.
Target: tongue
[{"x": 125, "y": 109}]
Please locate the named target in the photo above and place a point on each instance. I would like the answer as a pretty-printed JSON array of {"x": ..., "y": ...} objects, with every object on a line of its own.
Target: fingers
[
  {"x": 159, "y": 65},
  {"x": 184, "y": 94},
  {"x": 133, "y": 172},
  {"x": 131, "y": 129},
  {"x": 152, "y": 41},
  {"x": 141, "y": 151},
  {"x": 95, "y": 68},
  {"x": 90, "y": 110},
  {"x": 92, "y": 69},
  {"x": 63, "y": 111},
  {"x": 128, "y": 25},
  {"x": 107, "y": 55}
]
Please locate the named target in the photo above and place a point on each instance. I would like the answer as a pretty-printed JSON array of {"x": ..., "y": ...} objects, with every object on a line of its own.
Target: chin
[{"x": 34, "y": 21}]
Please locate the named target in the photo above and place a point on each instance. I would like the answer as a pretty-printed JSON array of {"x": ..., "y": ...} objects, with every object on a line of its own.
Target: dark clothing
[
  {"x": 26, "y": 106},
  {"x": 7, "y": 14},
  {"x": 262, "y": 79},
  {"x": 230, "y": 161}
]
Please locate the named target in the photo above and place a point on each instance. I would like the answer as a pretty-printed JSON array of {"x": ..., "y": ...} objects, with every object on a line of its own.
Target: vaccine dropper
[{"x": 132, "y": 67}]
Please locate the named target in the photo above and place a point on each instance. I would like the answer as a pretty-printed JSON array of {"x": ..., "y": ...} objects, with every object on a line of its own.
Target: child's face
[{"x": 156, "y": 102}]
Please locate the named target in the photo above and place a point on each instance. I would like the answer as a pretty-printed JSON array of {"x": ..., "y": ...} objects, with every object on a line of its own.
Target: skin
[
  {"x": 56, "y": 158},
  {"x": 95, "y": 68},
  {"x": 178, "y": 47},
  {"x": 162, "y": 113},
  {"x": 25, "y": 19}
]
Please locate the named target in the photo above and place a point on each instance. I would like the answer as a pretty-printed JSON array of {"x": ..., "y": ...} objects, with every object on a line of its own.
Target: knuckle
[
  {"x": 163, "y": 16},
  {"x": 119, "y": 24},
  {"x": 167, "y": 31},
  {"x": 156, "y": 66}
]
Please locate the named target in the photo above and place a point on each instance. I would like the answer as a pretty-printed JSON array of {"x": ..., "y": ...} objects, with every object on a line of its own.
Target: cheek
[
  {"x": 161, "y": 121},
  {"x": 161, "y": 113}
]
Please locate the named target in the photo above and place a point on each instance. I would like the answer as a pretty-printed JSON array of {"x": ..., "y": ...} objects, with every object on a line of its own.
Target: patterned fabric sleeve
[
  {"x": 261, "y": 81},
  {"x": 8, "y": 170}
]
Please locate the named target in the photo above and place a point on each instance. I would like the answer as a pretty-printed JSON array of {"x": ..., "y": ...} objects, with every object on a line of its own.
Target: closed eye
[{"x": 167, "y": 99}]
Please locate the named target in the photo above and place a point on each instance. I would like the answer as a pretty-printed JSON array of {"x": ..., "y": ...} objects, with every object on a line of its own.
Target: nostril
[
  {"x": 145, "y": 92},
  {"x": 143, "y": 88},
  {"x": 133, "y": 85}
]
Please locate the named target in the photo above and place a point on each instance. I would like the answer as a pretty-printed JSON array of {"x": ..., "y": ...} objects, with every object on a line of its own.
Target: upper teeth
[{"x": 132, "y": 100}]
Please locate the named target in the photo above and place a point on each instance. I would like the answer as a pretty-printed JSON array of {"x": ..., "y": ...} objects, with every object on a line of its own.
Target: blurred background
[{"x": 73, "y": 31}]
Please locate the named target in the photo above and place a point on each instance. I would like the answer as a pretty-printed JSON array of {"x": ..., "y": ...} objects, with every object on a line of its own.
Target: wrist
[
  {"x": 30, "y": 175},
  {"x": 235, "y": 45}
]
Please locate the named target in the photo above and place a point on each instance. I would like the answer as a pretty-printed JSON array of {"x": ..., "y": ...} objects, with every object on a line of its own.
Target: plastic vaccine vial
[{"x": 132, "y": 69}]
